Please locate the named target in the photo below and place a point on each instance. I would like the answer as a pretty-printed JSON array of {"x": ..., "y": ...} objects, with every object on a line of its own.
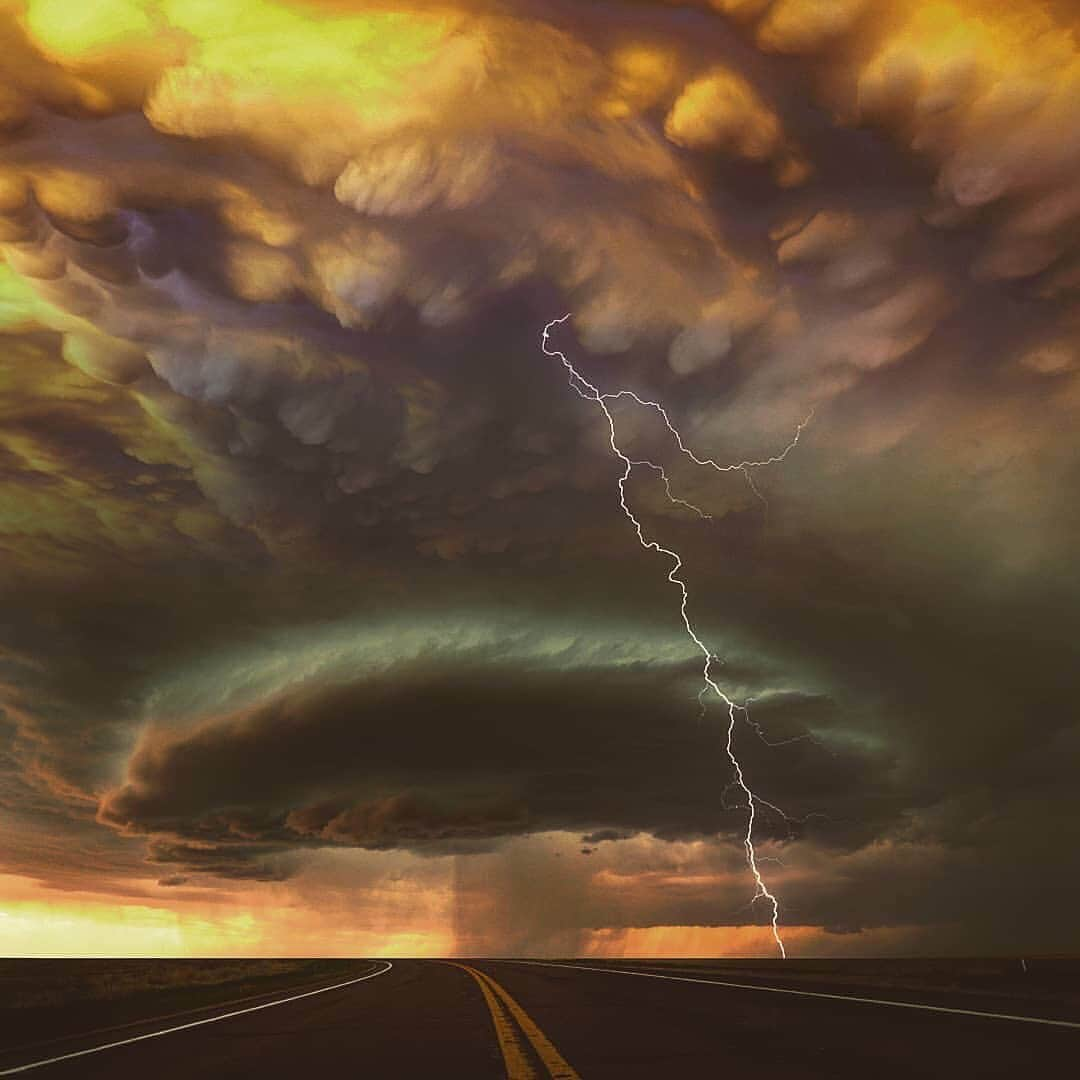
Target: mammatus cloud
[{"x": 271, "y": 279}]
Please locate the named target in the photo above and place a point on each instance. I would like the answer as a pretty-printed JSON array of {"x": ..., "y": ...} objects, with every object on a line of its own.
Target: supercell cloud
[{"x": 312, "y": 566}]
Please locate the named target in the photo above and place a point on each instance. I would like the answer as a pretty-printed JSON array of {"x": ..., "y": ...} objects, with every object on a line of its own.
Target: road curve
[
  {"x": 380, "y": 967},
  {"x": 518, "y": 1020}
]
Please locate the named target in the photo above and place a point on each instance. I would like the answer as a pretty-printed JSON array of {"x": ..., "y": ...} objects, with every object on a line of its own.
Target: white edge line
[
  {"x": 805, "y": 993},
  {"x": 193, "y": 1023},
  {"x": 82, "y": 1036}
]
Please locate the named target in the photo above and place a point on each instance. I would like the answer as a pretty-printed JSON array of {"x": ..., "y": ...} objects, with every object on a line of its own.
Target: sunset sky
[{"x": 321, "y": 629}]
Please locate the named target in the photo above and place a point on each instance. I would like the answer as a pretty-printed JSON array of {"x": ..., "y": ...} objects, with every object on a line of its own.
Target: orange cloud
[{"x": 656, "y": 942}]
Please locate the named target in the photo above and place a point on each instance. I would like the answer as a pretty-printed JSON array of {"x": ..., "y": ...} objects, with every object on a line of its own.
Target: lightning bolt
[
  {"x": 740, "y": 466},
  {"x": 588, "y": 392}
]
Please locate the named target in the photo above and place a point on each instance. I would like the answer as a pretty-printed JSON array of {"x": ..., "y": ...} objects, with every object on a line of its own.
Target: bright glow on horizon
[{"x": 45, "y": 923}]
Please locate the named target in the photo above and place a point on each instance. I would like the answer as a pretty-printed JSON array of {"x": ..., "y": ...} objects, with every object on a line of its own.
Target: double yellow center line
[{"x": 504, "y": 1012}]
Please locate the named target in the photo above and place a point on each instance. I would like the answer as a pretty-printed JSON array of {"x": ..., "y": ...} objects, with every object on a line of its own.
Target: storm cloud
[
  {"x": 461, "y": 751},
  {"x": 307, "y": 547}
]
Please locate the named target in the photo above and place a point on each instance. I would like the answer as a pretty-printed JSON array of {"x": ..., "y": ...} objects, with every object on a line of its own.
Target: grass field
[
  {"x": 42, "y": 999},
  {"x": 34, "y": 983},
  {"x": 1046, "y": 979}
]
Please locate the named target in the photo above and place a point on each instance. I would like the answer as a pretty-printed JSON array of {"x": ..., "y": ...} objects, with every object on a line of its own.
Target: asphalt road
[{"x": 480, "y": 1019}]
